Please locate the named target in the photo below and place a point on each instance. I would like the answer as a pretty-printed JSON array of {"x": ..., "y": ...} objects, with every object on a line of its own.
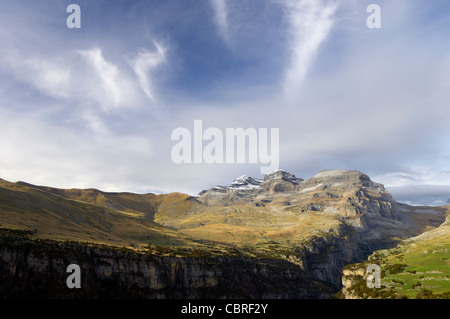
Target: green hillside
[{"x": 418, "y": 268}]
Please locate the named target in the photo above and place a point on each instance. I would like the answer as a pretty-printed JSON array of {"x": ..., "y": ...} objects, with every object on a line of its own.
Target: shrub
[
  {"x": 417, "y": 284},
  {"x": 426, "y": 294},
  {"x": 396, "y": 268}
]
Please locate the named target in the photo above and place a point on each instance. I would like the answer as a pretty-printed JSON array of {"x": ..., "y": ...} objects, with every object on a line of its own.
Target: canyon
[{"x": 276, "y": 237}]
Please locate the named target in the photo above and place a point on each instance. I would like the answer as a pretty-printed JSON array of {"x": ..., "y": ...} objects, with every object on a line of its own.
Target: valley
[{"x": 277, "y": 237}]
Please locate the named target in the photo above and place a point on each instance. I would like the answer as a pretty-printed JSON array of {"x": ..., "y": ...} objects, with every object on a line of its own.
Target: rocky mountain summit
[
  {"x": 348, "y": 194},
  {"x": 245, "y": 182},
  {"x": 336, "y": 182}
]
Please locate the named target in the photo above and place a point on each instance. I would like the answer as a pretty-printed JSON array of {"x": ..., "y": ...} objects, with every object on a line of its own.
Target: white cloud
[
  {"x": 48, "y": 76},
  {"x": 83, "y": 77},
  {"x": 416, "y": 175},
  {"x": 435, "y": 195},
  {"x": 107, "y": 73},
  {"x": 310, "y": 23},
  {"x": 144, "y": 63},
  {"x": 52, "y": 154},
  {"x": 94, "y": 122},
  {"x": 418, "y": 185},
  {"x": 221, "y": 18}
]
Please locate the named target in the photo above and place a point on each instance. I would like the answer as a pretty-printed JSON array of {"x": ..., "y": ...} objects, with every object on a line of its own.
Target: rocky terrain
[{"x": 276, "y": 237}]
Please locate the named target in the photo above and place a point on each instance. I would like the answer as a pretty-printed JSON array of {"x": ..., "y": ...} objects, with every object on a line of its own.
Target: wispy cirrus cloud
[
  {"x": 310, "y": 22},
  {"x": 108, "y": 75},
  {"x": 221, "y": 18},
  {"x": 81, "y": 80},
  {"x": 82, "y": 76},
  {"x": 144, "y": 63}
]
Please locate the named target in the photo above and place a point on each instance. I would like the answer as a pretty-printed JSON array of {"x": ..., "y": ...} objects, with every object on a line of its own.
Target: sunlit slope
[
  {"x": 135, "y": 204},
  {"x": 53, "y": 216},
  {"x": 244, "y": 224},
  {"x": 418, "y": 267},
  {"x": 424, "y": 270}
]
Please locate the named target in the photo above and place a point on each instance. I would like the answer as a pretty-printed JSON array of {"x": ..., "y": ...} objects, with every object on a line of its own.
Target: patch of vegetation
[
  {"x": 417, "y": 284},
  {"x": 395, "y": 268},
  {"x": 361, "y": 290},
  {"x": 16, "y": 232},
  {"x": 428, "y": 294},
  {"x": 419, "y": 270},
  {"x": 189, "y": 252}
]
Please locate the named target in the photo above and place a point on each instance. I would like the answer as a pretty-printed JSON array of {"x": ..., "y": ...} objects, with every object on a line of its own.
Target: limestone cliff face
[
  {"x": 325, "y": 257},
  {"x": 37, "y": 269},
  {"x": 349, "y": 194},
  {"x": 351, "y": 276}
]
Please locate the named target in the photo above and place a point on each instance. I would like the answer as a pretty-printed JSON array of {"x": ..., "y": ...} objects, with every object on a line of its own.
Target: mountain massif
[{"x": 276, "y": 237}]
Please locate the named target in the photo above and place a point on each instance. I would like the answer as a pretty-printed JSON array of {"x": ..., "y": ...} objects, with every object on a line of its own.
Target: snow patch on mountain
[{"x": 245, "y": 182}]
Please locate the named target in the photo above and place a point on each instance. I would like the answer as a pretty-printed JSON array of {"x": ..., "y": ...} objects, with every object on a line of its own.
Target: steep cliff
[{"x": 37, "y": 269}]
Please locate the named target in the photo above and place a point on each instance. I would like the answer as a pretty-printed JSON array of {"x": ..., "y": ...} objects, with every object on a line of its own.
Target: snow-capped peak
[{"x": 245, "y": 182}]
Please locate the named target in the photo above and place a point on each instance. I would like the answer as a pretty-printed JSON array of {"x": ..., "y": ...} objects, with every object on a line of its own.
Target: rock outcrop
[{"x": 351, "y": 195}]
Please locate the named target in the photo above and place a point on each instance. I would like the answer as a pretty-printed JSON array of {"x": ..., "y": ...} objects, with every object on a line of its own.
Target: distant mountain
[
  {"x": 351, "y": 195},
  {"x": 245, "y": 182}
]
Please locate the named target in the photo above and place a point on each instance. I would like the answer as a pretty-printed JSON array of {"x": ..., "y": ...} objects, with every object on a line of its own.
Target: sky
[{"x": 95, "y": 106}]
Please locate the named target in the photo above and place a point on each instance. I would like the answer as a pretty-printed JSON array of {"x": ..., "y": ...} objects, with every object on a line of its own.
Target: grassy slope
[
  {"x": 53, "y": 216},
  {"x": 133, "y": 204},
  {"x": 243, "y": 224},
  {"x": 417, "y": 268},
  {"x": 428, "y": 267}
]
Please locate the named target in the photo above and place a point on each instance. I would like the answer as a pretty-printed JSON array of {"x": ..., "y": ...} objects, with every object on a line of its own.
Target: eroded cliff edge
[{"x": 37, "y": 269}]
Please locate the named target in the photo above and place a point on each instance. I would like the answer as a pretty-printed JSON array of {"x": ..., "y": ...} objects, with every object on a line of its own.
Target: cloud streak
[
  {"x": 221, "y": 18},
  {"x": 310, "y": 22},
  {"x": 84, "y": 76},
  {"x": 108, "y": 76},
  {"x": 144, "y": 63}
]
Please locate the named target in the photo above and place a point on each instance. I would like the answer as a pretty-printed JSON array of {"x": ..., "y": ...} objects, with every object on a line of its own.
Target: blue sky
[{"x": 95, "y": 107}]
